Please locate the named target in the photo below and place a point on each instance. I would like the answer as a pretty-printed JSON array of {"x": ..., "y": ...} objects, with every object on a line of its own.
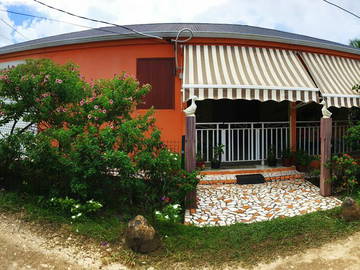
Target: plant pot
[
  {"x": 271, "y": 162},
  {"x": 301, "y": 168},
  {"x": 315, "y": 164},
  {"x": 215, "y": 164},
  {"x": 200, "y": 165}
]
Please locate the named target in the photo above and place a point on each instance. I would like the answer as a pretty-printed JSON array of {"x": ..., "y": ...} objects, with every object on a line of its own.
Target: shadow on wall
[{"x": 226, "y": 110}]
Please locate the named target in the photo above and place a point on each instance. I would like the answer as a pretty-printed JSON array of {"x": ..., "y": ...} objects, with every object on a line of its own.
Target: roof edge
[{"x": 171, "y": 34}]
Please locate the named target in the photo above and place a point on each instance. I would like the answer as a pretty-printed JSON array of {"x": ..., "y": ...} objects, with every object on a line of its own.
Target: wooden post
[
  {"x": 325, "y": 140},
  {"x": 190, "y": 156},
  {"x": 190, "y": 148},
  {"x": 292, "y": 119}
]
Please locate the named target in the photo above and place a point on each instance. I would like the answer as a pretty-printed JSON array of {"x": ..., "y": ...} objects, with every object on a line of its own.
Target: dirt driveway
[
  {"x": 339, "y": 255},
  {"x": 22, "y": 246}
]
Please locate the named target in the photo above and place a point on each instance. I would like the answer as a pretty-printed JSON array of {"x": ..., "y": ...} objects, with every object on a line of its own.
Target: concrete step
[{"x": 229, "y": 177}]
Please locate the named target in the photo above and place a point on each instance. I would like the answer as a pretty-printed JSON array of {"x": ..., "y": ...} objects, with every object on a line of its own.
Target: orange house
[{"x": 258, "y": 90}]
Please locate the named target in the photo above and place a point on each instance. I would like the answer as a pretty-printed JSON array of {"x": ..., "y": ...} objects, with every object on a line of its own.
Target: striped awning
[
  {"x": 237, "y": 72},
  {"x": 335, "y": 76}
]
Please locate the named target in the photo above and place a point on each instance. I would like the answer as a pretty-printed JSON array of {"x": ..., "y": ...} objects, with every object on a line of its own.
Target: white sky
[{"x": 309, "y": 17}]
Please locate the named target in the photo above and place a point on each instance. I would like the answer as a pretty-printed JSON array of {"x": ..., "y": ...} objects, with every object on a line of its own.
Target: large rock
[
  {"x": 350, "y": 210},
  {"x": 141, "y": 236}
]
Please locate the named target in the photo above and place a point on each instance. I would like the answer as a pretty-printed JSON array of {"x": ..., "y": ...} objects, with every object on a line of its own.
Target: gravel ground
[{"x": 25, "y": 246}]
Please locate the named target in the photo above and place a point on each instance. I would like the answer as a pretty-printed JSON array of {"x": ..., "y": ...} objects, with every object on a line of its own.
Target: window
[{"x": 160, "y": 74}]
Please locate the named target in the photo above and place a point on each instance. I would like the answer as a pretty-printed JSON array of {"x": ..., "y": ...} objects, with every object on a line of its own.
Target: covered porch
[
  {"x": 254, "y": 101},
  {"x": 249, "y": 129}
]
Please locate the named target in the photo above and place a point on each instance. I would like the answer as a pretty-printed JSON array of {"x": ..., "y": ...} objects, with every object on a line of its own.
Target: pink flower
[
  {"x": 89, "y": 116},
  {"x": 58, "y": 81},
  {"x": 17, "y": 88},
  {"x": 32, "y": 76},
  {"x": 82, "y": 102},
  {"x": 96, "y": 107},
  {"x": 111, "y": 101},
  {"x": 96, "y": 118},
  {"x": 37, "y": 99},
  {"x": 104, "y": 111}
]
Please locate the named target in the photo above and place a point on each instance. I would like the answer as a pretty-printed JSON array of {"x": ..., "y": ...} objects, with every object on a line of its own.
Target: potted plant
[
  {"x": 315, "y": 163},
  {"x": 200, "y": 162},
  {"x": 303, "y": 161},
  {"x": 217, "y": 152},
  {"x": 287, "y": 158},
  {"x": 271, "y": 157}
]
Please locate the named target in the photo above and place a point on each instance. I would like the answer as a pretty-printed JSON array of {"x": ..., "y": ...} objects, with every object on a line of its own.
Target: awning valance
[
  {"x": 237, "y": 72},
  {"x": 335, "y": 76}
]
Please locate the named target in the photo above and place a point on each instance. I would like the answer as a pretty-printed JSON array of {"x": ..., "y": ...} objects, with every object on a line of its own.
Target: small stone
[
  {"x": 140, "y": 236},
  {"x": 350, "y": 210}
]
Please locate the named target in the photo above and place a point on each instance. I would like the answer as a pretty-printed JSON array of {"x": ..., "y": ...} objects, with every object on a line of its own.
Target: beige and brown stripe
[
  {"x": 236, "y": 72},
  {"x": 335, "y": 76}
]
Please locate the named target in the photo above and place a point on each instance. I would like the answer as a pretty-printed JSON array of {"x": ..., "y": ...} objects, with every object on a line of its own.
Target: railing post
[
  {"x": 292, "y": 120},
  {"x": 262, "y": 144}
]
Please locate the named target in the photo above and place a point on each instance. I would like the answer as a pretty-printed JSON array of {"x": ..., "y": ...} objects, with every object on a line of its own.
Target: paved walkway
[{"x": 220, "y": 205}]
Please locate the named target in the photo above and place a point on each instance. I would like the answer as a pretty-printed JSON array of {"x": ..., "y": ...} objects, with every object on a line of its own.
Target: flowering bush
[
  {"x": 171, "y": 213},
  {"x": 92, "y": 145},
  {"x": 74, "y": 207},
  {"x": 345, "y": 171}
]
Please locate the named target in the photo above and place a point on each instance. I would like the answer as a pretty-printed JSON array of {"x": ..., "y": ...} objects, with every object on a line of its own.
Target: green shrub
[
  {"x": 94, "y": 146},
  {"x": 171, "y": 213},
  {"x": 345, "y": 171},
  {"x": 76, "y": 209}
]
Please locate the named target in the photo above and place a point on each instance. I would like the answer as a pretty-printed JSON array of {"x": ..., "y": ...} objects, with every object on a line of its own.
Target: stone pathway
[{"x": 226, "y": 204}]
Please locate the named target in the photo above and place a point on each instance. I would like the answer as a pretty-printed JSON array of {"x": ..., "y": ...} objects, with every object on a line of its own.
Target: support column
[
  {"x": 325, "y": 150},
  {"x": 190, "y": 156},
  {"x": 190, "y": 150},
  {"x": 292, "y": 120}
]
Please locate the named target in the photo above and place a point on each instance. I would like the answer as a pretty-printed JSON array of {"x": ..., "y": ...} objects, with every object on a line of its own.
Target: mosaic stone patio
[{"x": 226, "y": 204}]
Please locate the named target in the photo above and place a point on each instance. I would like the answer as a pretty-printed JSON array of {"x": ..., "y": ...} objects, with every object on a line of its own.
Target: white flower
[
  {"x": 176, "y": 206},
  {"x": 166, "y": 217},
  {"x": 77, "y": 206},
  {"x": 78, "y": 215},
  {"x": 157, "y": 213},
  {"x": 73, "y": 217}
]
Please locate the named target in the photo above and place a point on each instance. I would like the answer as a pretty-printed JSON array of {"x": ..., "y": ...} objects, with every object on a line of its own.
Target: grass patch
[{"x": 239, "y": 243}]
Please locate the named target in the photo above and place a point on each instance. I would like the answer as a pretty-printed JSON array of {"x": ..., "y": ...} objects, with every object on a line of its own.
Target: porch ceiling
[
  {"x": 335, "y": 76},
  {"x": 237, "y": 72}
]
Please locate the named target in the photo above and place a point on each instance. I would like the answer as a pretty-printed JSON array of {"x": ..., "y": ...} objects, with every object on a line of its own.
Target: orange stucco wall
[{"x": 104, "y": 59}]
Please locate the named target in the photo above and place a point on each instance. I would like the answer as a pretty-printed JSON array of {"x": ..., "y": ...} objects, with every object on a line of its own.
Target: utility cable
[
  {"x": 99, "y": 21},
  {"x": 13, "y": 28},
  {"x": 55, "y": 20},
  {"x": 343, "y": 9}
]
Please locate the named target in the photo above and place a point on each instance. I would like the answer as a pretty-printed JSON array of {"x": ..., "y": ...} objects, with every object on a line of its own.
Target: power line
[
  {"x": 343, "y": 9},
  {"x": 99, "y": 21},
  {"x": 44, "y": 18},
  {"x": 13, "y": 28},
  {"x": 55, "y": 20}
]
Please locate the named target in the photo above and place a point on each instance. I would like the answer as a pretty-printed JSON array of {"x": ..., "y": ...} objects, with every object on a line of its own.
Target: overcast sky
[{"x": 309, "y": 17}]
